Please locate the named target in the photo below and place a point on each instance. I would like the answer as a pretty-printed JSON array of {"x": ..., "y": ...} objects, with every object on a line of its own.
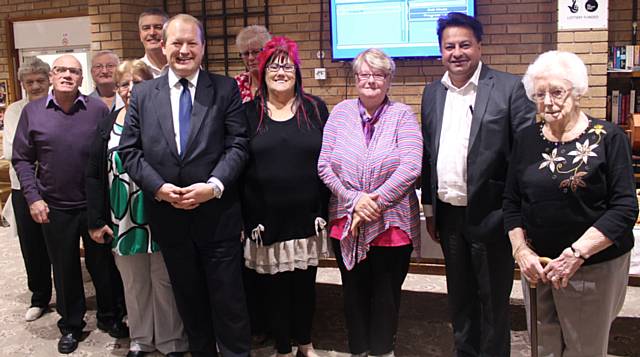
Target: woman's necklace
[{"x": 567, "y": 134}]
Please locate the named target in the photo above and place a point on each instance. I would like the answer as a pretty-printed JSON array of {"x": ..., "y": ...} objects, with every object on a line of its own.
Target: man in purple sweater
[{"x": 54, "y": 134}]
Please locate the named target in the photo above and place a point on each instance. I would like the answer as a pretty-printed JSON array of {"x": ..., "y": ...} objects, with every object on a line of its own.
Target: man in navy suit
[
  {"x": 469, "y": 118},
  {"x": 185, "y": 144}
]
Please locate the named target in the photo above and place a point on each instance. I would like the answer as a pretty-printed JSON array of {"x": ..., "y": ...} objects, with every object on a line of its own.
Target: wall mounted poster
[{"x": 583, "y": 14}]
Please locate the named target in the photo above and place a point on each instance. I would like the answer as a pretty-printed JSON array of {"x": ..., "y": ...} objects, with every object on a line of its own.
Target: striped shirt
[{"x": 389, "y": 166}]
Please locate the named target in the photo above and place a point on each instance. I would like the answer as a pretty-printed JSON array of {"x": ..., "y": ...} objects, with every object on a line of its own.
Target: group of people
[{"x": 218, "y": 197}]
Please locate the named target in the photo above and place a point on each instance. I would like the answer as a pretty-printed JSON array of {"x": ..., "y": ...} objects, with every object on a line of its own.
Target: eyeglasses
[
  {"x": 73, "y": 70},
  {"x": 557, "y": 95},
  {"x": 275, "y": 67},
  {"x": 100, "y": 66},
  {"x": 248, "y": 53},
  {"x": 379, "y": 77}
]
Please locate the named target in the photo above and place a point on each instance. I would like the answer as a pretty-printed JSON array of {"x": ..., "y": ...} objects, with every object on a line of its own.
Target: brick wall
[
  {"x": 516, "y": 31},
  {"x": 21, "y": 9},
  {"x": 592, "y": 48},
  {"x": 114, "y": 25},
  {"x": 620, "y": 12}
]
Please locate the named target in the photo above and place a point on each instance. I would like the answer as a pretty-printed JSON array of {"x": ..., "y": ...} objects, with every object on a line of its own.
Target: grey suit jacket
[{"x": 501, "y": 109}]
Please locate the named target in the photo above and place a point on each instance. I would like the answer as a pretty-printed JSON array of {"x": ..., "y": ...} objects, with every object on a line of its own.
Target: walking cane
[{"x": 533, "y": 311}]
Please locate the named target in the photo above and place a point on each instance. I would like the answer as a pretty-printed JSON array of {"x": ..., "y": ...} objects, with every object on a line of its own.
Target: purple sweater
[{"x": 51, "y": 148}]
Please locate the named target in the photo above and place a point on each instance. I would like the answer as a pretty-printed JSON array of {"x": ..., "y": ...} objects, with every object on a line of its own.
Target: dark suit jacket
[
  {"x": 501, "y": 108},
  {"x": 97, "y": 180},
  {"x": 217, "y": 144}
]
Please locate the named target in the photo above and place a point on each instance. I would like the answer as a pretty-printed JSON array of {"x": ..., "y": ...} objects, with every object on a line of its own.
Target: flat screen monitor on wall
[{"x": 401, "y": 28}]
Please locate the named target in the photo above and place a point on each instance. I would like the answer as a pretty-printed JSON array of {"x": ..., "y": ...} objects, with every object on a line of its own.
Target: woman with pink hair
[{"x": 284, "y": 202}]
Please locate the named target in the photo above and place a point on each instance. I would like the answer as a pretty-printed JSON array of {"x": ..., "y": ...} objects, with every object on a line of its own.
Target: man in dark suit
[
  {"x": 185, "y": 144},
  {"x": 469, "y": 118}
]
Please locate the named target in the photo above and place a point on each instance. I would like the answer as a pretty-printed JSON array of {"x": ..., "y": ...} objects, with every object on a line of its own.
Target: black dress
[
  {"x": 284, "y": 201},
  {"x": 556, "y": 191}
]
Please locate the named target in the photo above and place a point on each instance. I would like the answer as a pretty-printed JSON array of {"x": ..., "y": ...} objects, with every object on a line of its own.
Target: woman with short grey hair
[
  {"x": 34, "y": 78},
  {"x": 35, "y": 66},
  {"x": 570, "y": 196},
  {"x": 371, "y": 158},
  {"x": 249, "y": 42}
]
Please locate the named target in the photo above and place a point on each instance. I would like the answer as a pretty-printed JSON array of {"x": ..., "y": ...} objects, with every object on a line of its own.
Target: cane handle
[{"x": 543, "y": 261}]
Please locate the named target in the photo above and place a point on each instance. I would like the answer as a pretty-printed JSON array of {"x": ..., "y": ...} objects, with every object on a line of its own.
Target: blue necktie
[{"x": 184, "y": 116}]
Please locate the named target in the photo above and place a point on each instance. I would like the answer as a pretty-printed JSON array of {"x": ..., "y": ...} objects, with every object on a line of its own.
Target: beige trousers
[
  {"x": 575, "y": 321},
  {"x": 154, "y": 322}
]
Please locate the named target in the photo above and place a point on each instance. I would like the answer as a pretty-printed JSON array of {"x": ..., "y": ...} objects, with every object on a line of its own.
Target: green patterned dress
[{"x": 130, "y": 227}]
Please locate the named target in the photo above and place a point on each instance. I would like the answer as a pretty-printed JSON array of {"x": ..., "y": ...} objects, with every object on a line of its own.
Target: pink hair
[{"x": 280, "y": 46}]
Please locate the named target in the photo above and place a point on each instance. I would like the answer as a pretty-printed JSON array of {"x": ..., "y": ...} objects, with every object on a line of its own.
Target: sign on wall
[{"x": 583, "y": 14}]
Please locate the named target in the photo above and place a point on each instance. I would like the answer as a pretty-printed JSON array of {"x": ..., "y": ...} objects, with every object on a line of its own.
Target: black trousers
[
  {"x": 61, "y": 236},
  {"x": 372, "y": 297},
  {"x": 254, "y": 287},
  {"x": 203, "y": 254},
  {"x": 34, "y": 251},
  {"x": 291, "y": 298},
  {"x": 479, "y": 281}
]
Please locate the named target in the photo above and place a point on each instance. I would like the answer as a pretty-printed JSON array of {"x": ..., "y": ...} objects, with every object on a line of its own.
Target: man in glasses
[
  {"x": 150, "y": 23},
  {"x": 103, "y": 65},
  {"x": 54, "y": 133},
  {"x": 469, "y": 118}
]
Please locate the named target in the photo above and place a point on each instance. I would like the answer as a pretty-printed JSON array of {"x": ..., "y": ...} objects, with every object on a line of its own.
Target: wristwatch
[
  {"x": 577, "y": 253},
  {"x": 217, "y": 192}
]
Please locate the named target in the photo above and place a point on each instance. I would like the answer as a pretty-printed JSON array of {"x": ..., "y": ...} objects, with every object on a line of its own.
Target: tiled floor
[{"x": 423, "y": 329}]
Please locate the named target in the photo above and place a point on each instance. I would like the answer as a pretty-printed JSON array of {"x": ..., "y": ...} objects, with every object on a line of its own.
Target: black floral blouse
[{"x": 557, "y": 190}]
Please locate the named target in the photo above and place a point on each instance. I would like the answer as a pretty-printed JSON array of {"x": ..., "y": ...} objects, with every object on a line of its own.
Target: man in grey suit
[
  {"x": 469, "y": 118},
  {"x": 185, "y": 144}
]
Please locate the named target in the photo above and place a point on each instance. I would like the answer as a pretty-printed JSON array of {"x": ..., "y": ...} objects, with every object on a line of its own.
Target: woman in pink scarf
[{"x": 370, "y": 159}]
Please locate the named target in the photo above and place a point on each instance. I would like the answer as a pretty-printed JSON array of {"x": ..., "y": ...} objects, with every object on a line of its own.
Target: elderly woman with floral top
[
  {"x": 570, "y": 196},
  {"x": 370, "y": 159}
]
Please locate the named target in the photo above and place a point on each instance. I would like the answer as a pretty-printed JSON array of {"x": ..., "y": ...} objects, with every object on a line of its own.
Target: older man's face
[
  {"x": 66, "y": 74},
  {"x": 150, "y": 28},
  {"x": 36, "y": 85},
  {"x": 184, "y": 48},
  {"x": 102, "y": 69}
]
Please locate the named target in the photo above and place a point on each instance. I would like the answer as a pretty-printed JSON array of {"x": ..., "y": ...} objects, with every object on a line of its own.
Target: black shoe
[
  {"x": 68, "y": 343},
  {"x": 115, "y": 330},
  {"x": 175, "y": 354},
  {"x": 137, "y": 353}
]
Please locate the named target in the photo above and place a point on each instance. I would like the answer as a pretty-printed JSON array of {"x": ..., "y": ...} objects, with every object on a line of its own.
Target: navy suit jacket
[
  {"x": 217, "y": 143},
  {"x": 501, "y": 109}
]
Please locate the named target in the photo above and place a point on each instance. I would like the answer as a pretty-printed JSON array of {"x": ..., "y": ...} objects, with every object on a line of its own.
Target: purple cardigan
[{"x": 389, "y": 166}]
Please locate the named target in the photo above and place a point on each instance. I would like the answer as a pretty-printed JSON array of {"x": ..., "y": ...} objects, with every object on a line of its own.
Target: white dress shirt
[
  {"x": 175, "y": 92},
  {"x": 451, "y": 163}
]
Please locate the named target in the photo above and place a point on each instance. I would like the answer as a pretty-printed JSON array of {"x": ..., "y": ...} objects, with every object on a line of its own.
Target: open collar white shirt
[
  {"x": 157, "y": 72},
  {"x": 454, "y": 139},
  {"x": 175, "y": 91}
]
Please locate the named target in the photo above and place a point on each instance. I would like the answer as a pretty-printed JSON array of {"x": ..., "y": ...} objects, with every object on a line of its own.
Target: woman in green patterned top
[{"x": 116, "y": 212}]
